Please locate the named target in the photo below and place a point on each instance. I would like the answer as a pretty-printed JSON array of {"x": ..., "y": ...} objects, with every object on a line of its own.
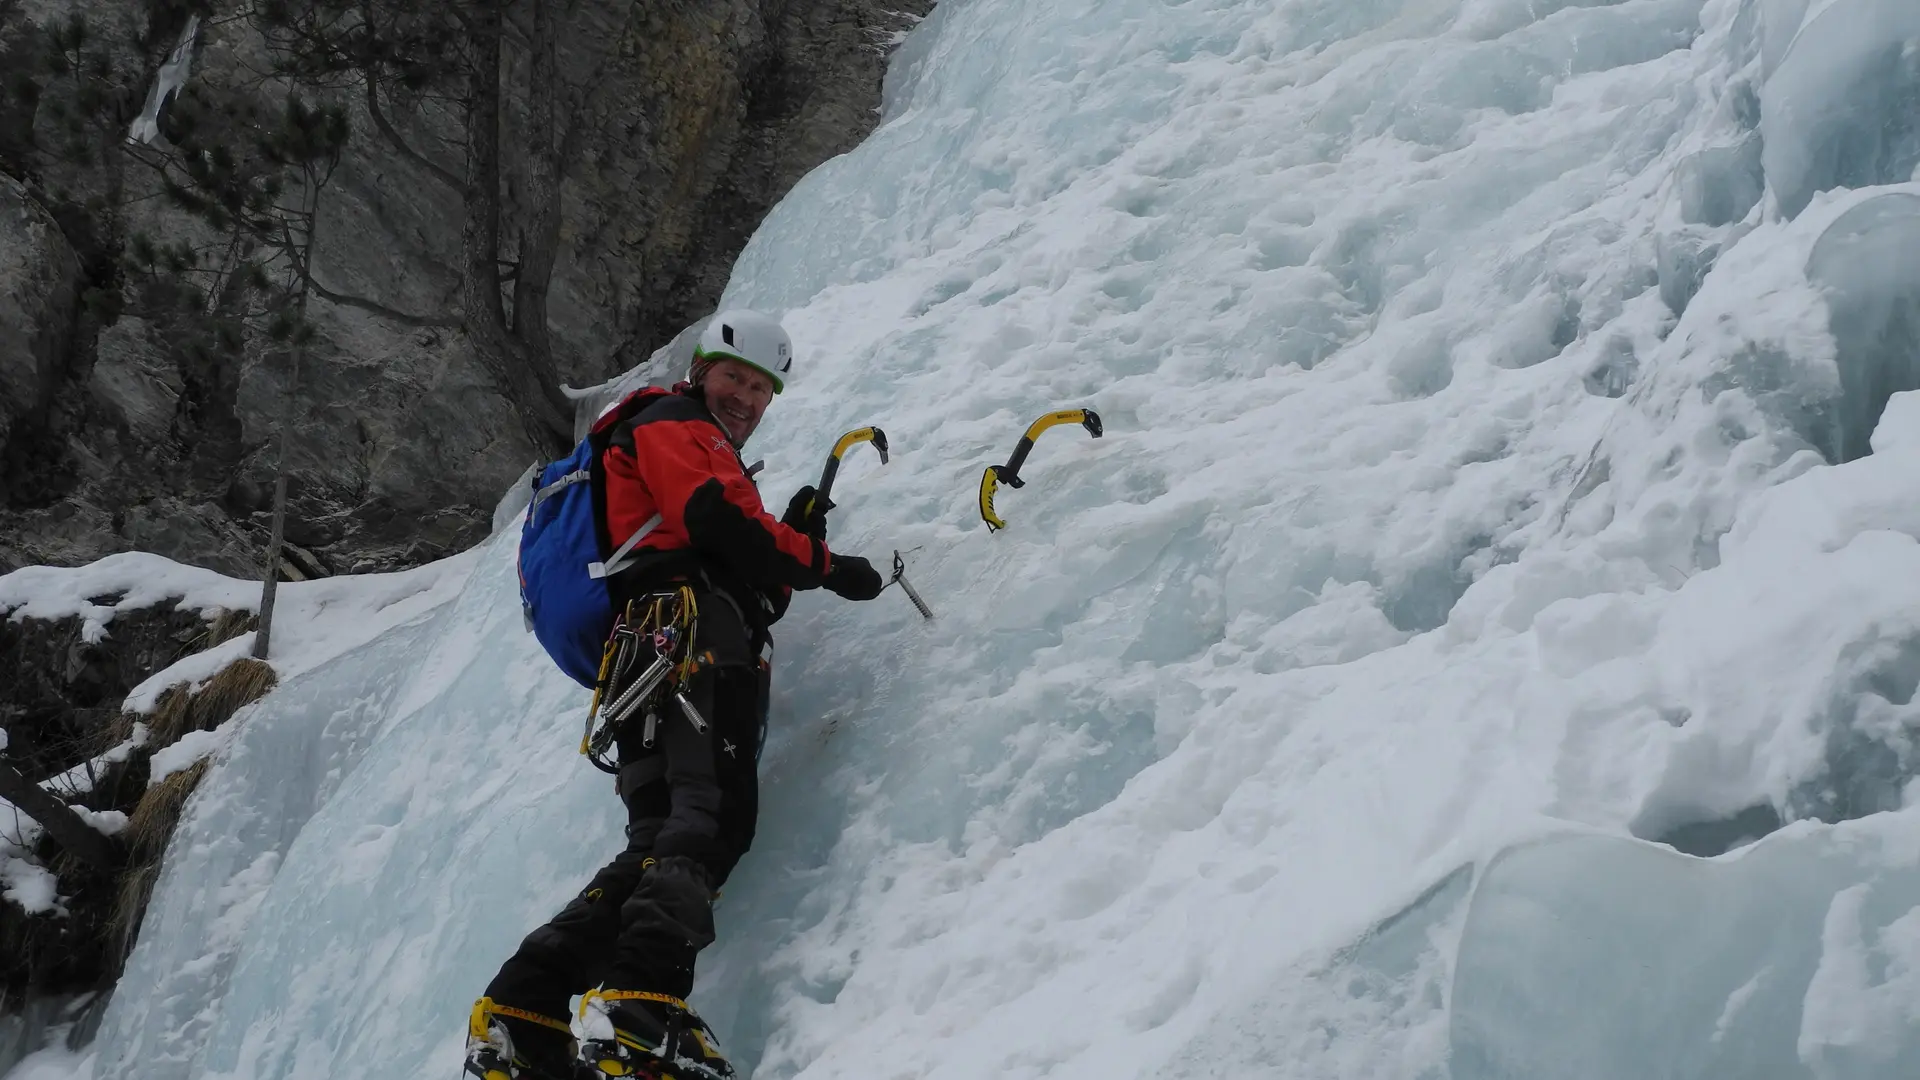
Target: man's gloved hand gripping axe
[{"x": 808, "y": 510}]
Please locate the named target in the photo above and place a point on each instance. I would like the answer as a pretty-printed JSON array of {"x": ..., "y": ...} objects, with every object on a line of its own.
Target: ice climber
[{"x": 628, "y": 941}]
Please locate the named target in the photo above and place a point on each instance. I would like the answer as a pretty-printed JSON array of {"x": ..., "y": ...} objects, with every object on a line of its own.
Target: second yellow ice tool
[{"x": 1009, "y": 473}]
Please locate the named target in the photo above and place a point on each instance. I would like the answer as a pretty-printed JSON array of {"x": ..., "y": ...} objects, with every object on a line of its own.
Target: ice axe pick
[{"x": 900, "y": 578}]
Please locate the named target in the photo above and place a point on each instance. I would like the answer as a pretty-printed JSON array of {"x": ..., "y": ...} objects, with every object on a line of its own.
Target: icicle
[{"x": 166, "y": 83}]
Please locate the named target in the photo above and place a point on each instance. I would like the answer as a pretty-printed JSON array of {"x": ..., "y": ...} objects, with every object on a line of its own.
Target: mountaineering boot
[
  {"x": 504, "y": 1043},
  {"x": 637, "y": 1034}
]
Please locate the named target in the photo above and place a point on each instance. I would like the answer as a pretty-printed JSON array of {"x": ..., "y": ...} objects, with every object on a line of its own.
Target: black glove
[
  {"x": 853, "y": 578},
  {"x": 798, "y": 517}
]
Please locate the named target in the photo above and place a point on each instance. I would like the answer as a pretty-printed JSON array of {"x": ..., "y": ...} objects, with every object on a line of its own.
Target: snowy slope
[{"x": 1505, "y": 468}]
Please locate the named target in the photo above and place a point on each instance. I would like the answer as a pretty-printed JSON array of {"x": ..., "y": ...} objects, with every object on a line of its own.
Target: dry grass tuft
[
  {"x": 169, "y": 715},
  {"x": 238, "y": 685},
  {"x": 158, "y": 811},
  {"x": 157, "y": 814},
  {"x": 179, "y": 711},
  {"x": 149, "y": 828},
  {"x": 229, "y": 624},
  {"x": 172, "y": 717},
  {"x": 129, "y": 907}
]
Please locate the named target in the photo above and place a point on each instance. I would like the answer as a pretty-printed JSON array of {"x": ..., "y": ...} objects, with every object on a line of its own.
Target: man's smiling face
[{"x": 737, "y": 394}]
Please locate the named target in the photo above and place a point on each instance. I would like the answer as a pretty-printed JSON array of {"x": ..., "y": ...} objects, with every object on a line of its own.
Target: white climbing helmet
[{"x": 752, "y": 338}]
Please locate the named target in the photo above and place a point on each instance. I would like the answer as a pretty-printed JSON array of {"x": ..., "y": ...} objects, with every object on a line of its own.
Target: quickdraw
[
  {"x": 1009, "y": 473},
  {"x": 846, "y": 442},
  {"x": 648, "y": 661}
]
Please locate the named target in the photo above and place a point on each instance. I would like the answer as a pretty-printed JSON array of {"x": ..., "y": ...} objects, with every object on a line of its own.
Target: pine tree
[
  {"x": 308, "y": 141},
  {"x": 249, "y": 175},
  {"x": 421, "y": 56},
  {"x": 246, "y": 173}
]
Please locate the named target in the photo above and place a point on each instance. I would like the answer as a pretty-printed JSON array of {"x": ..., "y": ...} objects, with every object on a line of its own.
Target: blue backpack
[{"x": 564, "y": 558}]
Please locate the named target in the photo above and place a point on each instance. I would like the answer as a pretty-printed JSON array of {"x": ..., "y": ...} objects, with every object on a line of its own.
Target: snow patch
[
  {"x": 315, "y": 621},
  {"x": 191, "y": 749},
  {"x": 29, "y": 884},
  {"x": 191, "y": 671},
  {"x": 108, "y": 822}
]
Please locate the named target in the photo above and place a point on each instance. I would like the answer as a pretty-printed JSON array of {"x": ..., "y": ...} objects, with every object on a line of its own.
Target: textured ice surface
[
  {"x": 1842, "y": 108},
  {"x": 1868, "y": 264},
  {"x": 1487, "y": 456},
  {"x": 1593, "y": 958}
]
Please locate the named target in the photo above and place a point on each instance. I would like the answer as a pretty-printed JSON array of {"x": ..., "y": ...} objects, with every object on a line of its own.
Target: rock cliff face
[
  {"x": 68, "y": 690},
  {"x": 689, "y": 120},
  {"x": 39, "y": 300}
]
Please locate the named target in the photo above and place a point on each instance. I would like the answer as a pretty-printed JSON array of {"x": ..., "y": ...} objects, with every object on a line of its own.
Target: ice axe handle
[
  {"x": 989, "y": 483},
  {"x": 1010, "y": 472},
  {"x": 847, "y": 442}
]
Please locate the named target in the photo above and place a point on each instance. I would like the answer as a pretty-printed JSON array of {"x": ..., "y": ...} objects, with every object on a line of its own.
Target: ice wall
[
  {"x": 1597, "y": 957},
  {"x": 1510, "y": 470},
  {"x": 1839, "y": 109}
]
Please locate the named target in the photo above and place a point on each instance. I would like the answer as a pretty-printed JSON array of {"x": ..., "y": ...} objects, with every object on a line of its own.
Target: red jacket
[{"x": 672, "y": 458}]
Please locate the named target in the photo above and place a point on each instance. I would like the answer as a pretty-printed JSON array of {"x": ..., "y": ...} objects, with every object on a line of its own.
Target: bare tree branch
[
  {"x": 382, "y": 310},
  {"x": 303, "y": 271},
  {"x": 399, "y": 143},
  {"x": 67, "y": 828}
]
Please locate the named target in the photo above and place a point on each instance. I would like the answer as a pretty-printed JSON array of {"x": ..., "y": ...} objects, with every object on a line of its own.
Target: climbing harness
[
  {"x": 845, "y": 443},
  {"x": 1009, "y": 473},
  {"x": 649, "y": 660},
  {"x": 900, "y": 579}
]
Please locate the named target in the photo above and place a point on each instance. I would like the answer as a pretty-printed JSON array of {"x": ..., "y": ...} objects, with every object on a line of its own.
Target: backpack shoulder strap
[
  {"x": 577, "y": 476},
  {"x": 606, "y": 430},
  {"x": 617, "y": 561},
  {"x": 629, "y": 407}
]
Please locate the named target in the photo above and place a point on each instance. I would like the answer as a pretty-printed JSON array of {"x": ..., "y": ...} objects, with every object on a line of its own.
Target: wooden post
[{"x": 276, "y": 540}]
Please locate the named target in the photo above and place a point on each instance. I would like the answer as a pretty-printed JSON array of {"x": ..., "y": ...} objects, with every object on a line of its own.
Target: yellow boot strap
[
  {"x": 486, "y": 1007},
  {"x": 630, "y": 995}
]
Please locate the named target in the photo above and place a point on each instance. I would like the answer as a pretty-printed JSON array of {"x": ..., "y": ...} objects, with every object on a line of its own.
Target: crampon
[
  {"x": 491, "y": 1054},
  {"x": 646, "y": 1036}
]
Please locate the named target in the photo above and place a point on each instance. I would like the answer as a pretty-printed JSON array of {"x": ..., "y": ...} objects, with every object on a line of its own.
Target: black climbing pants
[{"x": 691, "y": 799}]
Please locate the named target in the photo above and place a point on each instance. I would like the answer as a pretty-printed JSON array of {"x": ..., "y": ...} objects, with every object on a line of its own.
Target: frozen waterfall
[{"x": 1484, "y": 644}]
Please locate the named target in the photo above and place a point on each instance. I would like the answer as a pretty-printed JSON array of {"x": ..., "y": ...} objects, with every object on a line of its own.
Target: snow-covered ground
[
  {"x": 1506, "y": 468},
  {"x": 319, "y": 621}
]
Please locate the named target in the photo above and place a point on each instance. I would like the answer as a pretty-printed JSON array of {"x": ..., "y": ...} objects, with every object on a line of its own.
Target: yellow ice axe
[
  {"x": 847, "y": 442},
  {"x": 1009, "y": 473}
]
